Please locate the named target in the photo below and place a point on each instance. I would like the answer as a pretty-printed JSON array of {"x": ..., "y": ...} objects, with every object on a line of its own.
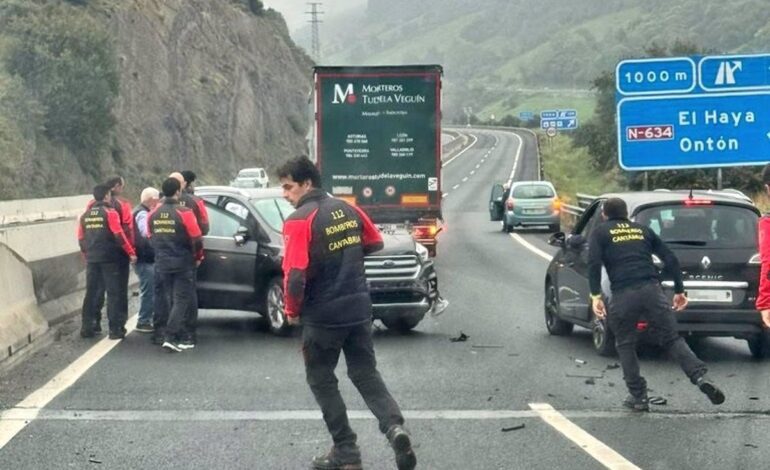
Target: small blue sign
[
  {"x": 565, "y": 124},
  {"x": 549, "y": 114},
  {"x": 733, "y": 73},
  {"x": 526, "y": 115},
  {"x": 655, "y": 76},
  {"x": 694, "y": 131}
]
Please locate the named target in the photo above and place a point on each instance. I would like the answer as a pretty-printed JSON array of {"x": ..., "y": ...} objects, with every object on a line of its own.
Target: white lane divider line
[
  {"x": 465, "y": 179},
  {"x": 473, "y": 172},
  {"x": 455, "y": 186},
  {"x": 444, "y": 195},
  {"x": 478, "y": 165},
  {"x": 591, "y": 445},
  {"x": 531, "y": 247},
  {"x": 475, "y": 139},
  {"x": 41, "y": 397}
]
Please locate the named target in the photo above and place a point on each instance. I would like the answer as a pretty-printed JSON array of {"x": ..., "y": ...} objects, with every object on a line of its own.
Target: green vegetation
[
  {"x": 254, "y": 6},
  {"x": 58, "y": 84}
]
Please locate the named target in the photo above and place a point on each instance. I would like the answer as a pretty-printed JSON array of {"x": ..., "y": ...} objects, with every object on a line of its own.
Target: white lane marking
[
  {"x": 473, "y": 172},
  {"x": 445, "y": 195},
  {"x": 465, "y": 179},
  {"x": 475, "y": 139},
  {"x": 478, "y": 165},
  {"x": 591, "y": 445},
  {"x": 531, "y": 247},
  {"x": 455, "y": 186},
  {"x": 63, "y": 380},
  {"x": 516, "y": 160},
  {"x": 301, "y": 415}
]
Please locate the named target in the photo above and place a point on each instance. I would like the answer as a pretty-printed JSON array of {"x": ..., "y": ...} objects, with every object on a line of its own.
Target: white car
[{"x": 251, "y": 178}]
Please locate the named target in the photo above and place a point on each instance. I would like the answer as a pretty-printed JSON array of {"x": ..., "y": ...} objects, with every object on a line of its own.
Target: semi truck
[{"x": 376, "y": 137}]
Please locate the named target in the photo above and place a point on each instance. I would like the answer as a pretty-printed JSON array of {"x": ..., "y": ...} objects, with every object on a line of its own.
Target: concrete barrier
[
  {"x": 21, "y": 321},
  {"x": 26, "y": 211}
]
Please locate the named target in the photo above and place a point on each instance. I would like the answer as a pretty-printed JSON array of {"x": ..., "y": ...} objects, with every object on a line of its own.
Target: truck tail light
[
  {"x": 422, "y": 232},
  {"x": 509, "y": 204}
]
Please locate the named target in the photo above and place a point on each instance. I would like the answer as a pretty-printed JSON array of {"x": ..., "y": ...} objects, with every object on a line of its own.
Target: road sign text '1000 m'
[
  {"x": 378, "y": 132},
  {"x": 693, "y": 112}
]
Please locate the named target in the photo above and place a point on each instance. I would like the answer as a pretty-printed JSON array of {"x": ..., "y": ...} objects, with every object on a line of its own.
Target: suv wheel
[
  {"x": 555, "y": 325},
  {"x": 401, "y": 324},
  {"x": 274, "y": 309},
  {"x": 603, "y": 338},
  {"x": 760, "y": 345}
]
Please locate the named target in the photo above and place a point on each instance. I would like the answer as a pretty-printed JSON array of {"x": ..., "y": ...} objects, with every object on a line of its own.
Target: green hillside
[{"x": 492, "y": 50}]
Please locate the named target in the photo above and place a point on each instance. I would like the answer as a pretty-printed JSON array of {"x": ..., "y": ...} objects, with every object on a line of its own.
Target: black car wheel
[
  {"x": 401, "y": 324},
  {"x": 760, "y": 345},
  {"x": 603, "y": 338},
  {"x": 555, "y": 325},
  {"x": 274, "y": 308}
]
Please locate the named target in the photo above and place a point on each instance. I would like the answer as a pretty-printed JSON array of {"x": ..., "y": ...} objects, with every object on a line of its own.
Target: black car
[
  {"x": 714, "y": 236},
  {"x": 244, "y": 251}
]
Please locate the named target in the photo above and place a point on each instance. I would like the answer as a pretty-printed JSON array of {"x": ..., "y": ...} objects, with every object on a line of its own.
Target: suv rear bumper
[{"x": 740, "y": 323}]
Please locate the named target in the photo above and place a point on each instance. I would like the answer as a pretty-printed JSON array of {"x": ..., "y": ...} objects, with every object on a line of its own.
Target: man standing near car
[
  {"x": 105, "y": 246},
  {"x": 176, "y": 239},
  {"x": 145, "y": 265},
  {"x": 325, "y": 286},
  {"x": 188, "y": 199},
  {"x": 763, "y": 299},
  {"x": 625, "y": 248}
]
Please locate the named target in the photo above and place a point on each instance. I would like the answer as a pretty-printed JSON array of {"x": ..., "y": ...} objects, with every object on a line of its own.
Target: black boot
[
  {"x": 637, "y": 403},
  {"x": 402, "y": 445},
  {"x": 708, "y": 387},
  {"x": 335, "y": 460}
]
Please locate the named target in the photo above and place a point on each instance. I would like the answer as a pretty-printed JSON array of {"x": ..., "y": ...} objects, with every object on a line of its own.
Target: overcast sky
[{"x": 294, "y": 10}]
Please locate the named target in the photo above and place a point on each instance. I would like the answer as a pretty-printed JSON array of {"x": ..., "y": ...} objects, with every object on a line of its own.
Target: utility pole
[{"x": 315, "y": 21}]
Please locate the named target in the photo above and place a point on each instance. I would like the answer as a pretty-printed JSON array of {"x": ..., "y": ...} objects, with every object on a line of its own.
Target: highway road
[{"x": 239, "y": 400}]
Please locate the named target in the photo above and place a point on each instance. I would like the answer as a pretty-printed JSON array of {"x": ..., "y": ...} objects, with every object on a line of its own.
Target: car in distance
[
  {"x": 251, "y": 178},
  {"x": 244, "y": 251},
  {"x": 525, "y": 204},
  {"x": 714, "y": 236}
]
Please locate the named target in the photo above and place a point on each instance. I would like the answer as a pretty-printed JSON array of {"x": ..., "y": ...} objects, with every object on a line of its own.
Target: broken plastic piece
[
  {"x": 462, "y": 337},
  {"x": 658, "y": 401},
  {"x": 514, "y": 428}
]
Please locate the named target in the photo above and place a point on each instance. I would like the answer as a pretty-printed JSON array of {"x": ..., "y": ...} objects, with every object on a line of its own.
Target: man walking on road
[
  {"x": 625, "y": 249},
  {"x": 325, "y": 286},
  {"x": 105, "y": 246},
  {"x": 145, "y": 265},
  {"x": 176, "y": 239}
]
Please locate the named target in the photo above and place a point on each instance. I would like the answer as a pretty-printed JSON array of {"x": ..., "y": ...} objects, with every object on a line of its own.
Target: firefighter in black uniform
[
  {"x": 176, "y": 239},
  {"x": 105, "y": 246},
  {"x": 325, "y": 286},
  {"x": 625, "y": 249}
]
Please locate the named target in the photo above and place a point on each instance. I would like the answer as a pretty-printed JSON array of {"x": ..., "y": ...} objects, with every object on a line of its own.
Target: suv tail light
[
  {"x": 509, "y": 204},
  {"x": 755, "y": 260},
  {"x": 556, "y": 204}
]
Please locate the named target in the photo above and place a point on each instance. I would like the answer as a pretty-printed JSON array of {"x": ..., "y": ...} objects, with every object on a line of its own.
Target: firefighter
[
  {"x": 325, "y": 287},
  {"x": 105, "y": 246},
  {"x": 176, "y": 240},
  {"x": 625, "y": 249}
]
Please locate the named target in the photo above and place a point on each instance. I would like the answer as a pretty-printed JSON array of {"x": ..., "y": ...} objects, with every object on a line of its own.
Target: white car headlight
[{"x": 422, "y": 252}]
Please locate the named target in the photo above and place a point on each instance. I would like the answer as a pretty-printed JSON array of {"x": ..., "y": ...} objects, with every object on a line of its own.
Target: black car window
[
  {"x": 222, "y": 223},
  {"x": 591, "y": 218},
  {"x": 532, "y": 191},
  {"x": 274, "y": 211},
  {"x": 717, "y": 226}
]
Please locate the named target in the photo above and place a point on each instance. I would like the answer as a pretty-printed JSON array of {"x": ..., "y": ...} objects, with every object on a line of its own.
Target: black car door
[
  {"x": 574, "y": 292},
  {"x": 226, "y": 276},
  {"x": 496, "y": 203}
]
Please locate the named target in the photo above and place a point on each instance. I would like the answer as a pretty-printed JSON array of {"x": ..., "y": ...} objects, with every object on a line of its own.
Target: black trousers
[
  {"x": 173, "y": 294},
  {"x": 124, "y": 272},
  {"x": 101, "y": 278},
  {"x": 648, "y": 302},
  {"x": 191, "y": 319},
  {"x": 321, "y": 349}
]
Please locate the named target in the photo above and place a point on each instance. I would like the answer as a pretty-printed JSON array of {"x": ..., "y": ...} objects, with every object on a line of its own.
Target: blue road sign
[
  {"x": 526, "y": 115},
  {"x": 734, "y": 73},
  {"x": 655, "y": 76},
  {"x": 549, "y": 114},
  {"x": 565, "y": 124},
  {"x": 694, "y": 131}
]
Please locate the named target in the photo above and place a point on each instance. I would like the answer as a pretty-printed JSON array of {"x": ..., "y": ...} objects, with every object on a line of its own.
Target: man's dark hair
[
  {"x": 300, "y": 169},
  {"x": 100, "y": 191},
  {"x": 113, "y": 181},
  {"x": 615, "y": 208},
  {"x": 188, "y": 175},
  {"x": 170, "y": 187},
  {"x": 766, "y": 174}
]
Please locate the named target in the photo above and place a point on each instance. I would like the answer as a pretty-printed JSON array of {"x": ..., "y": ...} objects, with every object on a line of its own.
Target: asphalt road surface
[{"x": 239, "y": 400}]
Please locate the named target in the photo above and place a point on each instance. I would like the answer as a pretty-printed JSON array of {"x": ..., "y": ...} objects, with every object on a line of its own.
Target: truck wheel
[
  {"x": 274, "y": 308},
  {"x": 760, "y": 345},
  {"x": 603, "y": 338},
  {"x": 401, "y": 324},
  {"x": 555, "y": 325}
]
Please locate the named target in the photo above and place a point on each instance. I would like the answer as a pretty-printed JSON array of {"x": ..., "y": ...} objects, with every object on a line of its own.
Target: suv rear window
[
  {"x": 716, "y": 226},
  {"x": 533, "y": 191}
]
